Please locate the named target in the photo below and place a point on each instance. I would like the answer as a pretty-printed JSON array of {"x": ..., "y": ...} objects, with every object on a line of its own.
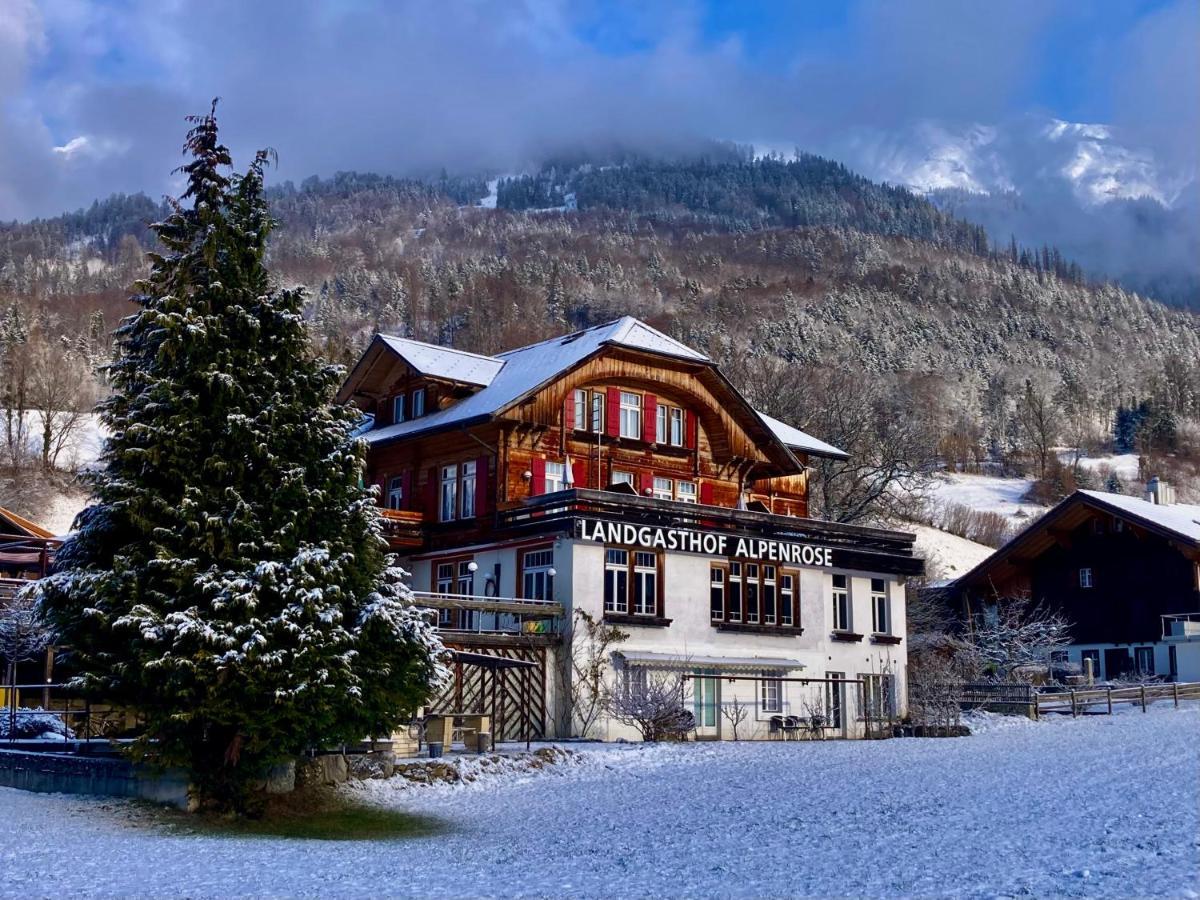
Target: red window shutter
[
  {"x": 406, "y": 487},
  {"x": 431, "y": 493},
  {"x": 569, "y": 411},
  {"x": 614, "y": 411},
  {"x": 483, "y": 486},
  {"x": 690, "y": 429},
  {"x": 579, "y": 470},
  {"x": 538, "y": 468},
  {"x": 650, "y": 423},
  {"x": 706, "y": 493},
  {"x": 644, "y": 481}
]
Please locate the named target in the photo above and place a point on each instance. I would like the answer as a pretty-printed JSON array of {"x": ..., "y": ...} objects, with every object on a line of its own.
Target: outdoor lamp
[
  {"x": 472, "y": 567},
  {"x": 552, "y": 571}
]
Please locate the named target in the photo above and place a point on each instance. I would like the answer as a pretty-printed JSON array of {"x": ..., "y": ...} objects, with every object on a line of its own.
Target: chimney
[{"x": 1159, "y": 492}]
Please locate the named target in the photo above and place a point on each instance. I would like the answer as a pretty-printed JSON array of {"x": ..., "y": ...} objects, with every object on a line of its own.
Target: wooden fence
[{"x": 1094, "y": 700}]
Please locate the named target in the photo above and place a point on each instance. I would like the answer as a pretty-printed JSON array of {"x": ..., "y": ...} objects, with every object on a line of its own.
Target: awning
[{"x": 653, "y": 660}]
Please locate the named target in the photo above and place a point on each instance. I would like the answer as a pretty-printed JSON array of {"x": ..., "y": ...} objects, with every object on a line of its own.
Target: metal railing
[
  {"x": 80, "y": 721},
  {"x": 1181, "y": 626}
]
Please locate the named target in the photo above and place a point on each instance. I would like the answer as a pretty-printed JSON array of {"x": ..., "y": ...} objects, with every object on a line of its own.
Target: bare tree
[
  {"x": 586, "y": 659},
  {"x": 735, "y": 712},
  {"x": 1037, "y": 423},
  {"x": 62, "y": 391},
  {"x": 1015, "y": 632},
  {"x": 890, "y": 442},
  {"x": 23, "y": 636},
  {"x": 654, "y": 702}
]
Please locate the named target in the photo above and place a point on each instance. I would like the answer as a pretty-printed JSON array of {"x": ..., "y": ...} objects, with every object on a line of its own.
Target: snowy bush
[{"x": 33, "y": 723}]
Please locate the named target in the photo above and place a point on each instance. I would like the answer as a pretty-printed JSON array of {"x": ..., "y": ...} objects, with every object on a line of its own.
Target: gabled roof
[
  {"x": 1179, "y": 522},
  {"x": 799, "y": 440},
  {"x": 10, "y": 521},
  {"x": 444, "y": 362},
  {"x": 521, "y": 371}
]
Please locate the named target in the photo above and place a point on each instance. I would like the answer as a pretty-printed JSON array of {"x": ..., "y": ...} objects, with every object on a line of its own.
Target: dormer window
[
  {"x": 418, "y": 403},
  {"x": 398, "y": 408}
]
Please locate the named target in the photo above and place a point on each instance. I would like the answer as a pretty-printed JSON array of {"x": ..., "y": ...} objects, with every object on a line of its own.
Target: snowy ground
[
  {"x": 1104, "y": 806},
  {"x": 987, "y": 493}
]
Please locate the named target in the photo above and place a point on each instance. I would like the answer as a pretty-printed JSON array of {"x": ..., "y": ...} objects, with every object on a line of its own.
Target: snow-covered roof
[
  {"x": 444, "y": 362},
  {"x": 677, "y": 661},
  {"x": 798, "y": 440},
  {"x": 518, "y": 372},
  {"x": 1181, "y": 518}
]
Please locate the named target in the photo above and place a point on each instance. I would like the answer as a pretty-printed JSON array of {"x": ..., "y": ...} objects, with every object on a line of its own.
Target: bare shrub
[
  {"x": 735, "y": 712},
  {"x": 982, "y": 526},
  {"x": 586, "y": 652},
  {"x": 654, "y": 702},
  {"x": 1016, "y": 632}
]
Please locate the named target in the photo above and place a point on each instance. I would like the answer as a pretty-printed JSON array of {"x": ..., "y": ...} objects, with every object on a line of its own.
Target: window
[
  {"x": 1085, "y": 578},
  {"x": 1059, "y": 657},
  {"x": 676, "y": 427},
  {"x": 771, "y": 693},
  {"x": 716, "y": 593},
  {"x": 1143, "y": 660},
  {"x": 1118, "y": 525},
  {"x": 581, "y": 410},
  {"x": 768, "y": 595},
  {"x": 398, "y": 408},
  {"x": 622, "y": 478},
  {"x": 1172, "y": 662},
  {"x": 449, "y": 493},
  {"x": 685, "y": 491},
  {"x": 631, "y": 415},
  {"x": 555, "y": 476},
  {"x": 1094, "y": 656},
  {"x": 418, "y": 403},
  {"x": 877, "y": 696},
  {"x": 395, "y": 493},
  {"x": 616, "y": 581},
  {"x": 468, "y": 490},
  {"x": 537, "y": 579},
  {"x": 634, "y": 681},
  {"x": 734, "y": 613},
  {"x": 445, "y": 587},
  {"x": 645, "y": 584},
  {"x": 835, "y": 695},
  {"x": 589, "y": 411},
  {"x": 466, "y": 578},
  {"x": 841, "y": 603},
  {"x": 879, "y": 606},
  {"x": 787, "y": 598},
  {"x": 752, "y": 593},
  {"x": 660, "y": 424},
  {"x": 664, "y": 489}
]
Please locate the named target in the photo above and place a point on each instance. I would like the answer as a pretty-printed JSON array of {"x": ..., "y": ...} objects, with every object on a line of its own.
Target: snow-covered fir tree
[{"x": 230, "y": 581}]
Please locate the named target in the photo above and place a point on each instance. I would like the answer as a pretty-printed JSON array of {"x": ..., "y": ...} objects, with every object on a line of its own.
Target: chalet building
[
  {"x": 617, "y": 472},
  {"x": 1124, "y": 570}
]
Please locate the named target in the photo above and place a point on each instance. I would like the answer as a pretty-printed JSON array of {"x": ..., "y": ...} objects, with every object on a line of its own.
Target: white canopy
[{"x": 653, "y": 660}]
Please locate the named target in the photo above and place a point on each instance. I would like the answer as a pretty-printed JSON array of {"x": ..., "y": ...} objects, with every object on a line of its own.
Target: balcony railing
[
  {"x": 1181, "y": 627},
  {"x": 468, "y": 613}
]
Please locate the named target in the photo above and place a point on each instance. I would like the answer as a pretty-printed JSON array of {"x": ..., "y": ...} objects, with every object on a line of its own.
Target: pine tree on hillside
[{"x": 230, "y": 581}]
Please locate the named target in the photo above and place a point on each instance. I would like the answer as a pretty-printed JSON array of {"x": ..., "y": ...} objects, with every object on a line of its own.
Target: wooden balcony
[
  {"x": 403, "y": 528},
  {"x": 460, "y": 615}
]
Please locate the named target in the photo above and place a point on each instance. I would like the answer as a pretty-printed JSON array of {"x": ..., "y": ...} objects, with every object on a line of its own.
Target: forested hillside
[{"x": 807, "y": 282}]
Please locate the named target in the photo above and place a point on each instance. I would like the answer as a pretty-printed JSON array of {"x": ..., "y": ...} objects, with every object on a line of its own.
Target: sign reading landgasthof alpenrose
[{"x": 686, "y": 540}]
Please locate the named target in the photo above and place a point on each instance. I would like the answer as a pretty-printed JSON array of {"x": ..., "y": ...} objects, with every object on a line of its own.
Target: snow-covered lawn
[
  {"x": 946, "y": 555},
  {"x": 1104, "y": 806}
]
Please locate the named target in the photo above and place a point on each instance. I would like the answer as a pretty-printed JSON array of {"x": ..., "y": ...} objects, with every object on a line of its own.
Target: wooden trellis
[{"x": 515, "y": 698}]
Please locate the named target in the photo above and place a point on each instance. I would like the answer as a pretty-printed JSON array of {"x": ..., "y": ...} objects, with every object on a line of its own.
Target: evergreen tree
[
  {"x": 1113, "y": 484},
  {"x": 230, "y": 581}
]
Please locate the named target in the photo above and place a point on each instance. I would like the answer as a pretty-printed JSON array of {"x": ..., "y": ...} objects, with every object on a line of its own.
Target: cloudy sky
[{"x": 93, "y": 92}]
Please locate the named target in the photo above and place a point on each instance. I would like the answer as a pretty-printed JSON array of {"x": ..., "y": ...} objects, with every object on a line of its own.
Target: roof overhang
[{"x": 651, "y": 660}]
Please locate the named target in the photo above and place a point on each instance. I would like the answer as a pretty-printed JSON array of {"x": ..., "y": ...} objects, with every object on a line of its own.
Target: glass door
[{"x": 706, "y": 704}]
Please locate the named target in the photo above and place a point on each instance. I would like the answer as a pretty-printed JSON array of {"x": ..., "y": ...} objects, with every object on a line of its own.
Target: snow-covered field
[
  {"x": 987, "y": 493},
  {"x": 1105, "y": 806}
]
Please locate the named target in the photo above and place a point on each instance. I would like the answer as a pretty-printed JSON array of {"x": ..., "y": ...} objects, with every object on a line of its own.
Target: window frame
[
  {"x": 417, "y": 409},
  {"x": 662, "y": 488},
  {"x": 1087, "y": 579},
  {"x": 619, "y": 476},
  {"x": 770, "y": 683},
  {"x": 618, "y": 572},
  {"x": 398, "y": 409},
  {"x": 448, "y": 493},
  {"x": 631, "y": 407},
  {"x": 881, "y": 613},
  {"x": 559, "y": 470},
  {"x": 841, "y": 607},
  {"x": 395, "y": 492},
  {"x": 468, "y": 500},
  {"x": 540, "y": 570},
  {"x": 692, "y": 495}
]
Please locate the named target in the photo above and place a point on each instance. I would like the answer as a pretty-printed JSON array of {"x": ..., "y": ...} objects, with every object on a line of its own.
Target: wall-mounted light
[
  {"x": 552, "y": 571},
  {"x": 472, "y": 567},
  {"x": 527, "y": 475},
  {"x": 649, "y": 491}
]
